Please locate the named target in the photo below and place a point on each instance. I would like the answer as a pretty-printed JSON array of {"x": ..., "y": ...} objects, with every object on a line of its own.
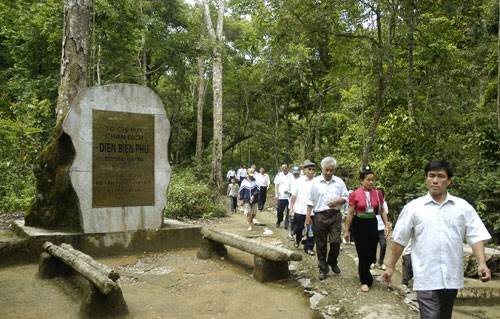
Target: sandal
[
  {"x": 310, "y": 252},
  {"x": 295, "y": 245}
]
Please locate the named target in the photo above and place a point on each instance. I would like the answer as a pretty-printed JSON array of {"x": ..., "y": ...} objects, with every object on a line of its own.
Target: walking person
[
  {"x": 249, "y": 196},
  {"x": 406, "y": 269},
  {"x": 283, "y": 184},
  {"x": 438, "y": 223},
  {"x": 298, "y": 208},
  {"x": 364, "y": 205},
  {"x": 296, "y": 175},
  {"x": 232, "y": 193},
  {"x": 264, "y": 181},
  {"x": 241, "y": 174},
  {"x": 382, "y": 236},
  {"x": 328, "y": 194},
  {"x": 231, "y": 173}
]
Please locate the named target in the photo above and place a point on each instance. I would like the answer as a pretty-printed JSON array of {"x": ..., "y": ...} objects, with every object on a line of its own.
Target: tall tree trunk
[
  {"x": 201, "y": 95},
  {"x": 380, "y": 93},
  {"x": 55, "y": 197},
  {"x": 498, "y": 72},
  {"x": 74, "y": 59},
  {"x": 215, "y": 37},
  {"x": 410, "y": 13}
]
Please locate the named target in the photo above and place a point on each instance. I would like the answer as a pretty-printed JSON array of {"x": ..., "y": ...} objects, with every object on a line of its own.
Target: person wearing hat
[
  {"x": 249, "y": 196},
  {"x": 298, "y": 207}
]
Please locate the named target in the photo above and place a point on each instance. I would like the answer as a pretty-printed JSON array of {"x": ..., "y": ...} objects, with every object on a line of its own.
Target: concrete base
[{"x": 172, "y": 235}]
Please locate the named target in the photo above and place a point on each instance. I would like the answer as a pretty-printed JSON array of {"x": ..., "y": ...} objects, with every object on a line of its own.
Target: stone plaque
[
  {"x": 122, "y": 159},
  {"x": 120, "y": 171}
]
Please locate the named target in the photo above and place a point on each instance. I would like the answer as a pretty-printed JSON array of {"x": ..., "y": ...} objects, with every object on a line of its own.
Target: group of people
[{"x": 433, "y": 226}]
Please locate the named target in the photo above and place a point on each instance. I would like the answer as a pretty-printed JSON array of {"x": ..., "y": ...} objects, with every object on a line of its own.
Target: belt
[
  {"x": 328, "y": 211},
  {"x": 365, "y": 215}
]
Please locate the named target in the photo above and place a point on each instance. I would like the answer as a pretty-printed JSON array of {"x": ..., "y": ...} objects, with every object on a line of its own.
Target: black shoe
[
  {"x": 277, "y": 225},
  {"x": 336, "y": 269},
  {"x": 286, "y": 227},
  {"x": 322, "y": 275}
]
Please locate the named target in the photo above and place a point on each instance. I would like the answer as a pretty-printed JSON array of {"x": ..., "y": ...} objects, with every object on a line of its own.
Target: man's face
[
  {"x": 327, "y": 172},
  {"x": 284, "y": 169},
  {"x": 437, "y": 182},
  {"x": 309, "y": 171},
  {"x": 262, "y": 170}
]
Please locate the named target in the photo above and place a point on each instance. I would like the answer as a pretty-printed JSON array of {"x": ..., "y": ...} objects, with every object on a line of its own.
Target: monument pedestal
[{"x": 172, "y": 235}]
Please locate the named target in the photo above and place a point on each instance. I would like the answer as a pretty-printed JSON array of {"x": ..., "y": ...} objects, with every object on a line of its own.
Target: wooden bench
[
  {"x": 102, "y": 297},
  {"x": 270, "y": 262}
]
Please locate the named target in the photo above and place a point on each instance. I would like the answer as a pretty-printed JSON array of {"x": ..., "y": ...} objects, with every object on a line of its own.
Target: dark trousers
[
  {"x": 407, "y": 271},
  {"x": 327, "y": 228},
  {"x": 436, "y": 304},
  {"x": 262, "y": 197},
  {"x": 282, "y": 206},
  {"x": 383, "y": 246},
  {"x": 233, "y": 200},
  {"x": 366, "y": 232},
  {"x": 300, "y": 223}
]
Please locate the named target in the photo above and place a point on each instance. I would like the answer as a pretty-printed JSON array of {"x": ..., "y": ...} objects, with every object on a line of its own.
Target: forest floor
[{"x": 175, "y": 284}]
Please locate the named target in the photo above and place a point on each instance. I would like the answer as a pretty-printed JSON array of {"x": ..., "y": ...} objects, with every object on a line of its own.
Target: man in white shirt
[
  {"x": 283, "y": 185},
  {"x": 438, "y": 224},
  {"x": 328, "y": 194},
  {"x": 298, "y": 208},
  {"x": 264, "y": 181}
]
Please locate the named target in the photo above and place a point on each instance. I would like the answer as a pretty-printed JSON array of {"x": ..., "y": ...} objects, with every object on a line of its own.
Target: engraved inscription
[{"x": 123, "y": 159}]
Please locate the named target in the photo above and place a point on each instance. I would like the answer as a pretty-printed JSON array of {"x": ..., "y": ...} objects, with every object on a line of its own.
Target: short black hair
[{"x": 435, "y": 165}]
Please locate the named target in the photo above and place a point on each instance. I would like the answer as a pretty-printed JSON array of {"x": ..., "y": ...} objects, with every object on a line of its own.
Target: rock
[{"x": 470, "y": 262}]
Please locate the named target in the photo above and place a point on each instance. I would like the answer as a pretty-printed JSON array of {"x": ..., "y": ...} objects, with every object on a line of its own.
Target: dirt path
[{"x": 176, "y": 284}]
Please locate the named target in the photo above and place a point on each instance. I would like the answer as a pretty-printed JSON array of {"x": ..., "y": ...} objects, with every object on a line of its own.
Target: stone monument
[{"x": 119, "y": 173}]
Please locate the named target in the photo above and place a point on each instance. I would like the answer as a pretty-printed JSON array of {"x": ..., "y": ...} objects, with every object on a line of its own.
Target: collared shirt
[
  {"x": 241, "y": 174},
  {"x": 263, "y": 180},
  {"x": 437, "y": 233},
  {"x": 358, "y": 199},
  {"x": 248, "y": 189},
  {"x": 323, "y": 191},
  {"x": 284, "y": 184},
  {"x": 301, "y": 188}
]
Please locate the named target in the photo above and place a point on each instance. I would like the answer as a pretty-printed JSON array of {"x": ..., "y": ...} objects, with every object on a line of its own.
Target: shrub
[{"x": 190, "y": 198}]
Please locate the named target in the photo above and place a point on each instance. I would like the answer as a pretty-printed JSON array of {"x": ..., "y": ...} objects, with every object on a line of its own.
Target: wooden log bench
[
  {"x": 270, "y": 262},
  {"x": 102, "y": 297}
]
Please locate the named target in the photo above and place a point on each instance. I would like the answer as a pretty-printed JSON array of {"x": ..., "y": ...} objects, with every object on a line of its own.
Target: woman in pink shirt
[{"x": 364, "y": 204}]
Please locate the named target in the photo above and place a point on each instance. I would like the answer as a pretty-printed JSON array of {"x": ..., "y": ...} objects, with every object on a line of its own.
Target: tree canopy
[{"x": 391, "y": 83}]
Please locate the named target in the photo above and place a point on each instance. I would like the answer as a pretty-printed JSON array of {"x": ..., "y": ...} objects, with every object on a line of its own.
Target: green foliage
[
  {"x": 190, "y": 198},
  {"x": 24, "y": 127}
]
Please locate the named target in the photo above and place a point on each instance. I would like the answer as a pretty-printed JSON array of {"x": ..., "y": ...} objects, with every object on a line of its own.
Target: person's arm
[
  {"x": 308, "y": 215},
  {"x": 292, "y": 202},
  {"x": 348, "y": 221},
  {"x": 482, "y": 269},
  {"x": 386, "y": 222},
  {"x": 396, "y": 251}
]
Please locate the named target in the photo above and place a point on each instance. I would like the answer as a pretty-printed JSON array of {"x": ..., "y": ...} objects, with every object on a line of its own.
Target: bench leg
[
  {"x": 210, "y": 248},
  {"x": 97, "y": 305},
  {"x": 50, "y": 267},
  {"x": 267, "y": 270}
]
